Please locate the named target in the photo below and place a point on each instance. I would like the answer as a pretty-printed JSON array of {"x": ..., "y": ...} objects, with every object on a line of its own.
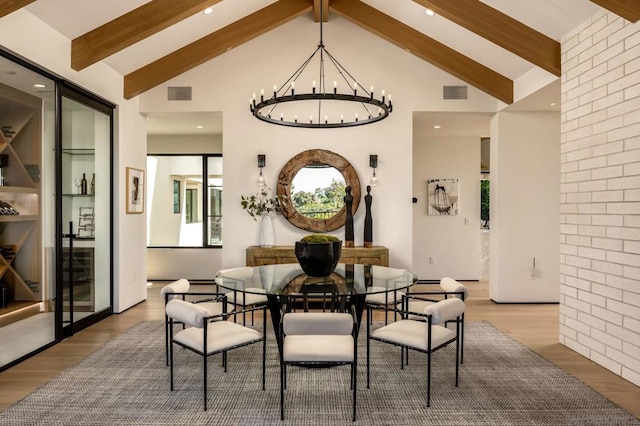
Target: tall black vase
[{"x": 318, "y": 259}]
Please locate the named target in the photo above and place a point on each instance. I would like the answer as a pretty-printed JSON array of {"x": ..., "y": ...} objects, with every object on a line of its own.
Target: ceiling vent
[
  {"x": 179, "y": 93},
  {"x": 454, "y": 92}
]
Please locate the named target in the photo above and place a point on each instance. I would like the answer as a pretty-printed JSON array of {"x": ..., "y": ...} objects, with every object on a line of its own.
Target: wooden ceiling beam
[
  {"x": 8, "y": 6},
  {"x": 320, "y": 5},
  {"x": 213, "y": 45},
  {"x": 628, "y": 9},
  {"x": 500, "y": 29},
  {"x": 130, "y": 28},
  {"x": 425, "y": 48}
]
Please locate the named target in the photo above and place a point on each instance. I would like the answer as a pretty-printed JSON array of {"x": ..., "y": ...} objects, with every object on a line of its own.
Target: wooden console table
[{"x": 376, "y": 255}]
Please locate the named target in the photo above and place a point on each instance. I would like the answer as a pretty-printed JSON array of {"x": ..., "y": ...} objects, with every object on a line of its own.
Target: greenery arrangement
[
  {"x": 319, "y": 238},
  {"x": 260, "y": 203}
]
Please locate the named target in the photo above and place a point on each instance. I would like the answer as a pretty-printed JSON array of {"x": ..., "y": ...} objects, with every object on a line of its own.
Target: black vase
[{"x": 318, "y": 259}]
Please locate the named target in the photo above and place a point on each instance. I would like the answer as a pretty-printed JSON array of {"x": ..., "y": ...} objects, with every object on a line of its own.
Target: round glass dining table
[{"x": 349, "y": 283}]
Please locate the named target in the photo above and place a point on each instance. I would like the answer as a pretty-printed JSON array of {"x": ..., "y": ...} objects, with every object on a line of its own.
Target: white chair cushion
[
  {"x": 214, "y": 308},
  {"x": 319, "y": 348},
  {"x": 220, "y": 335},
  {"x": 452, "y": 286},
  {"x": 414, "y": 334},
  {"x": 385, "y": 298},
  {"x": 247, "y": 299},
  {"x": 416, "y": 306},
  {"x": 317, "y": 323},
  {"x": 187, "y": 313},
  {"x": 384, "y": 273},
  {"x": 179, "y": 286},
  {"x": 445, "y": 310}
]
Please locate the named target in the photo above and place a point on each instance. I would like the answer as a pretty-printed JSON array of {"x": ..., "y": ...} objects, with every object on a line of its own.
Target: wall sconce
[
  {"x": 262, "y": 161},
  {"x": 373, "y": 163}
]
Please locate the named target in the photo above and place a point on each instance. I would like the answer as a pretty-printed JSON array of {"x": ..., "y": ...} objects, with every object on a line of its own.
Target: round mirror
[{"x": 312, "y": 188}]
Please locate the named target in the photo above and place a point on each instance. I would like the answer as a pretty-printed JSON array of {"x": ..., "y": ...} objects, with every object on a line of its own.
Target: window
[{"x": 184, "y": 194}]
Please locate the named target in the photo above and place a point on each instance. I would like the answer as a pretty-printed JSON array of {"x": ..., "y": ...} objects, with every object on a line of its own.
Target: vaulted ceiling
[{"x": 487, "y": 44}]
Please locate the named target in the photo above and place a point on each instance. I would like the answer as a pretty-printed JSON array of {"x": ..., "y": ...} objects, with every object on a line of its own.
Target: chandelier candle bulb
[
  {"x": 293, "y": 87},
  {"x": 356, "y": 116},
  {"x": 261, "y": 95}
]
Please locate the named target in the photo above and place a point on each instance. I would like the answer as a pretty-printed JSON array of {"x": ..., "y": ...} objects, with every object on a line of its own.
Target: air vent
[
  {"x": 454, "y": 92},
  {"x": 182, "y": 93}
]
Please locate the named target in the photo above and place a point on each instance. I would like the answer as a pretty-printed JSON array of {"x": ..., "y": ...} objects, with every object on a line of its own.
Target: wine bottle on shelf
[
  {"x": 83, "y": 185},
  {"x": 93, "y": 184}
]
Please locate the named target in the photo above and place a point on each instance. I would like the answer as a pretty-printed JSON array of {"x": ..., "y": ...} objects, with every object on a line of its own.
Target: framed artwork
[
  {"x": 135, "y": 190},
  {"x": 442, "y": 196},
  {"x": 176, "y": 196}
]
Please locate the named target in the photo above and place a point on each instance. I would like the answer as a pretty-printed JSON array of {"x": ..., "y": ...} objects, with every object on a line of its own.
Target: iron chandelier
[{"x": 321, "y": 108}]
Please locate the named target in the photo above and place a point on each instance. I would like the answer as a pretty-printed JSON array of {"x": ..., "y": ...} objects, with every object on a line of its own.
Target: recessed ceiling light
[
  {"x": 208, "y": 11},
  {"x": 429, "y": 12},
  {"x": 552, "y": 103},
  {"x": 39, "y": 85},
  {"x": 437, "y": 126},
  {"x": 199, "y": 126}
]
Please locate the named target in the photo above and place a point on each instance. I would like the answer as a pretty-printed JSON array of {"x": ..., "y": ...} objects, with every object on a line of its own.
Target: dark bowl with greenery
[{"x": 318, "y": 254}]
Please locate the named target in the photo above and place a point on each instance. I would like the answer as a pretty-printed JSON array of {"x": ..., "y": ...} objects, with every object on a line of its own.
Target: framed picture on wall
[
  {"x": 176, "y": 196},
  {"x": 442, "y": 196},
  {"x": 135, "y": 190}
]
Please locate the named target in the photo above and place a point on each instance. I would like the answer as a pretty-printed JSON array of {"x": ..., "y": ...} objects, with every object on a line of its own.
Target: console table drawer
[{"x": 377, "y": 255}]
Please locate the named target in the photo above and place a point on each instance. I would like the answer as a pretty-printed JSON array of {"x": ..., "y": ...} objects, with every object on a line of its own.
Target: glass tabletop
[{"x": 289, "y": 279}]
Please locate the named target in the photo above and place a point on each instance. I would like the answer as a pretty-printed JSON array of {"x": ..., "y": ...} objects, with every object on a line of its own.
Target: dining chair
[
  {"x": 249, "y": 297},
  {"x": 213, "y": 302},
  {"x": 318, "y": 339},
  {"x": 418, "y": 301},
  {"x": 206, "y": 337},
  {"x": 377, "y": 295},
  {"x": 422, "y": 336}
]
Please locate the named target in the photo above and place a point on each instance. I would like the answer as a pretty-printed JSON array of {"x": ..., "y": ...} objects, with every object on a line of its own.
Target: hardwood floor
[{"x": 533, "y": 325}]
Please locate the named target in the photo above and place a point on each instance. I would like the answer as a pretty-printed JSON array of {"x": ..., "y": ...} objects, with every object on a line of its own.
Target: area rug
[{"x": 502, "y": 382}]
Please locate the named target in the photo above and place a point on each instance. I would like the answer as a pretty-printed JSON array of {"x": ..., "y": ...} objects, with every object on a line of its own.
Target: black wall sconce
[
  {"x": 262, "y": 161},
  {"x": 373, "y": 163}
]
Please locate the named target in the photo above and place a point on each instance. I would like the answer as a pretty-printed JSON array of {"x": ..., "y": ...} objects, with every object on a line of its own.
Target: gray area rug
[{"x": 501, "y": 383}]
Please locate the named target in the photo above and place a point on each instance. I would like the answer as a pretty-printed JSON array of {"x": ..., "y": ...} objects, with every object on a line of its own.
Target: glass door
[{"x": 85, "y": 242}]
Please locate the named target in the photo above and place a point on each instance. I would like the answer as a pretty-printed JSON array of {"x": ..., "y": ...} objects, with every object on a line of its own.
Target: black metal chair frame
[
  {"x": 429, "y": 350},
  {"x": 244, "y": 310},
  {"x": 354, "y": 364},
  {"x": 205, "y": 355}
]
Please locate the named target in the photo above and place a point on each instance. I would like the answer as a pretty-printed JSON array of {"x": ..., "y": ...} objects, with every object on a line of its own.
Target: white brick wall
[{"x": 600, "y": 194}]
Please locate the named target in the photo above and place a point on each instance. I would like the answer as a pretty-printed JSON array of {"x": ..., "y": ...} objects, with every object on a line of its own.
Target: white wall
[
  {"x": 525, "y": 207},
  {"x": 27, "y": 36},
  {"x": 600, "y": 234},
  {"x": 453, "y": 242},
  {"x": 226, "y": 83}
]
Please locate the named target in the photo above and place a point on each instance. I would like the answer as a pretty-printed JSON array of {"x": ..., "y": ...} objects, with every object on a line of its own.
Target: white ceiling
[{"x": 553, "y": 18}]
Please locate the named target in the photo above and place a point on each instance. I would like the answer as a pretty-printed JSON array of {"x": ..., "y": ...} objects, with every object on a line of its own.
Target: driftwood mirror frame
[{"x": 289, "y": 171}]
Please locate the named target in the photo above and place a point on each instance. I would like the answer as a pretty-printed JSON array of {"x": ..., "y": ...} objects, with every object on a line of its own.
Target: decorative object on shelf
[
  {"x": 135, "y": 190},
  {"x": 442, "y": 195},
  {"x": 86, "y": 226},
  {"x": 318, "y": 254},
  {"x": 4, "y": 162},
  {"x": 34, "y": 172},
  {"x": 7, "y": 209},
  {"x": 93, "y": 184},
  {"x": 348, "y": 222},
  {"x": 261, "y": 205},
  {"x": 368, "y": 220},
  {"x": 266, "y": 235},
  {"x": 262, "y": 161},
  {"x": 83, "y": 184},
  {"x": 373, "y": 163},
  {"x": 340, "y": 109}
]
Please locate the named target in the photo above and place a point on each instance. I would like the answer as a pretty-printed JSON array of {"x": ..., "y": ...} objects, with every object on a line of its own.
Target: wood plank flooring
[{"x": 533, "y": 325}]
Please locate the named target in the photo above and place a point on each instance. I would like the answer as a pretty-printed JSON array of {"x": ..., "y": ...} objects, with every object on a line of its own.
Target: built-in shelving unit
[{"x": 20, "y": 216}]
